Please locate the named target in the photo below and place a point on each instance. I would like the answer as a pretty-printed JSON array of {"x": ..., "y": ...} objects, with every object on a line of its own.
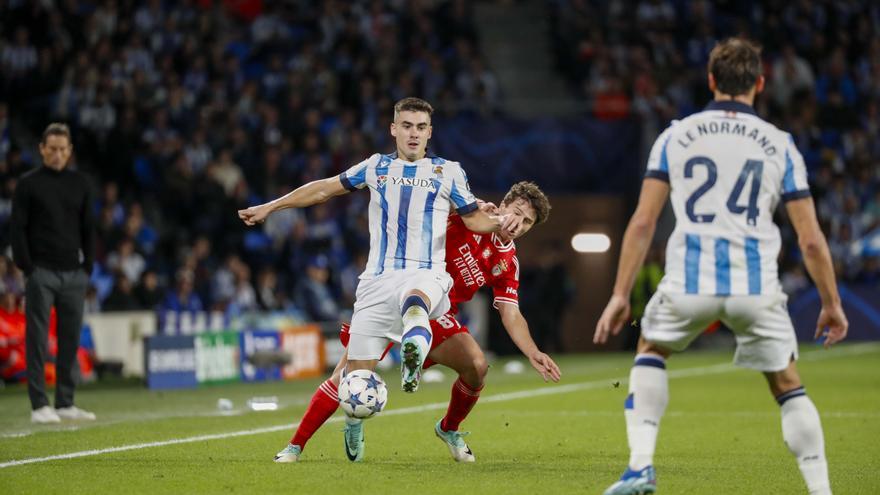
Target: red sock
[
  {"x": 323, "y": 404},
  {"x": 460, "y": 404}
]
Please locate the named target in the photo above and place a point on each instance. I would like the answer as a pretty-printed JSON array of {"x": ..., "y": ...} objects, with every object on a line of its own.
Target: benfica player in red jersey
[{"x": 473, "y": 260}]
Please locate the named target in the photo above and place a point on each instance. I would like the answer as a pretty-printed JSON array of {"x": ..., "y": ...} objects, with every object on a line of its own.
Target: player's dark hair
[
  {"x": 412, "y": 104},
  {"x": 533, "y": 194},
  {"x": 735, "y": 63},
  {"x": 56, "y": 129}
]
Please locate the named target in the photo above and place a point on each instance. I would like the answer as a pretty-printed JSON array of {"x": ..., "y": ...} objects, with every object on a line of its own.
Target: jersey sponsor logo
[
  {"x": 468, "y": 268},
  {"x": 413, "y": 182},
  {"x": 381, "y": 181},
  {"x": 510, "y": 290}
]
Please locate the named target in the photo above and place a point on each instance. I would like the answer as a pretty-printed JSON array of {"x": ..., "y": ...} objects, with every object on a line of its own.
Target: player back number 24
[{"x": 752, "y": 170}]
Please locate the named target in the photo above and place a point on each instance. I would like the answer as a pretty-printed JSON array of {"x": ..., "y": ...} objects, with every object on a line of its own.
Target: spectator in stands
[
  {"x": 182, "y": 298},
  {"x": 313, "y": 294},
  {"x": 92, "y": 304},
  {"x": 127, "y": 261},
  {"x": 19, "y": 57},
  {"x": 121, "y": 298},
  {"x": 790, "y": 74},
  {"x": 350, "y": 277},
  {"x": 245, "y": 298},
  {"x": 147, "y": 293},
  {"x": 269, "y": 295}
]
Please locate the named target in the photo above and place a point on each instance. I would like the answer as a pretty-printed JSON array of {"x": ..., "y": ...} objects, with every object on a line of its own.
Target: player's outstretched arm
[
  {"x": 314, "y": 192},
  {"x": 636, "y": 242},
  {"x": 817, "y": 258},
  {"x": 518, "y": 328}
]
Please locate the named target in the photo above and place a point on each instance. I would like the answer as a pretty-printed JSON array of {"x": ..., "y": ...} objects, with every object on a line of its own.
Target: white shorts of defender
[
  {"x": 765, "y": 338},
  {"x": 378, "y": 304}
]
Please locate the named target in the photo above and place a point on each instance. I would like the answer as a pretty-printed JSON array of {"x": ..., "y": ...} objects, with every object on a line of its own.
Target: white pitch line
[{"x": 523, "y": 394}]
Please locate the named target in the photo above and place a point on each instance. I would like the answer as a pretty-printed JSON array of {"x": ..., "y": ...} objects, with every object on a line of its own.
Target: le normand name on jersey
[{"x": 734, "y": 128}]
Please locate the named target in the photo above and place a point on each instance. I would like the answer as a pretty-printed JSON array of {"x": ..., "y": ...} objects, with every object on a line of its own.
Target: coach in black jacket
[{"x": 53, "y": 243}]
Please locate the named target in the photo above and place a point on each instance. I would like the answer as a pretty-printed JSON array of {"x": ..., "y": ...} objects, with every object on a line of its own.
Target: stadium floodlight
[{"x": 590, "y": 243}]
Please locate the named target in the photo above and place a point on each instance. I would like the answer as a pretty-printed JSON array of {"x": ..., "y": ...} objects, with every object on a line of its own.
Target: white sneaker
[
  {"x": 75, "y": 413},
  {"x": 44, "y": 415}
]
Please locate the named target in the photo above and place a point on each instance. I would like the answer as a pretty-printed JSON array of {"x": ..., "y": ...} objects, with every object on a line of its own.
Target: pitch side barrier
[{"x": 189, "y": 349}]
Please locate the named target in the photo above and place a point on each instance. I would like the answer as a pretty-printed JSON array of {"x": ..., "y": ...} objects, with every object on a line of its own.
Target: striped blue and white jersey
[
  {"x": 727, "y": 170},
  {"x": 409, "y": 207}
]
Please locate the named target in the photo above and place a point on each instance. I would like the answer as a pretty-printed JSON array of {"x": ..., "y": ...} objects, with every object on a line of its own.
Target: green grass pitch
[{"x": 721, "y": 435}]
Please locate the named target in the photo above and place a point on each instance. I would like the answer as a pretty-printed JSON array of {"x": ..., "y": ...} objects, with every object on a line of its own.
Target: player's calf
[
  {"x": 802, "y": 432},
  {"x": 801, "y": 427},
  {"x": 322, "y": 405}
]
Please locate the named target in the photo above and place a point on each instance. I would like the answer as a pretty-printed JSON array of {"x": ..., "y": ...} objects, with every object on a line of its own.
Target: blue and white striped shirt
[
  {"x": 409, "y": 207},
  {"x": 727, "y": 170}
]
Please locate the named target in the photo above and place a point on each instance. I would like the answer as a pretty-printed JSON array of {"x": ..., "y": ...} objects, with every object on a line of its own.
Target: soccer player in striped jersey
[
  {"x": 725, "y": 170},
  {"x": 405, "y": 282},
  {"x": 474, "y": 261}
]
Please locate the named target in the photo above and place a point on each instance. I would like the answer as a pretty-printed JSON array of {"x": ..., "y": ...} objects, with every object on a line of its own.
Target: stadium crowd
[
  {"x": 186, "y": 111},
  {"x": 822, "y": 65}
]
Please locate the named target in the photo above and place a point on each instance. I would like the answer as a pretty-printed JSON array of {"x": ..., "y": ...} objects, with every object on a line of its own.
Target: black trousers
[{"x": 66, "y": 290}]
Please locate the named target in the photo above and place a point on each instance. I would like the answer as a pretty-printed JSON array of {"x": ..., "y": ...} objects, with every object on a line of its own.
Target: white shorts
[
  {"x": 378, "y": 305},
  {"x": 765, "y": 338}
]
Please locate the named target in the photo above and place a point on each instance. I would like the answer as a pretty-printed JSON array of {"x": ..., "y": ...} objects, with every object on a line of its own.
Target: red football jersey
[{"x": 474, "y": 260}]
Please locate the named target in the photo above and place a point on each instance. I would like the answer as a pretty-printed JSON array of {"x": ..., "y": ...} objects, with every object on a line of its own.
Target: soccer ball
[{"x": 362, "y": 394}]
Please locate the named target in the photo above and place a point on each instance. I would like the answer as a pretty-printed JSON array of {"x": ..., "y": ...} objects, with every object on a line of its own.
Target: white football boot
[{"x": 457, "y": 447}]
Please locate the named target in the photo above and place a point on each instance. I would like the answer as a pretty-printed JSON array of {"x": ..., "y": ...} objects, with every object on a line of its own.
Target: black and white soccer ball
[{"x": 362, "y": 394}]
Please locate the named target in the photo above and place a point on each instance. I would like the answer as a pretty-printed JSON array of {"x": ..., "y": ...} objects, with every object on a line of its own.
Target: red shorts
[{"x": 441, "y": 329}]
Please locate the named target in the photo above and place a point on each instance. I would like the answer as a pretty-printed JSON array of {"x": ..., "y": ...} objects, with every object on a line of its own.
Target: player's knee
[
  {"x": 481, "y": 366},
  {"x": 477, "y": 370}
]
